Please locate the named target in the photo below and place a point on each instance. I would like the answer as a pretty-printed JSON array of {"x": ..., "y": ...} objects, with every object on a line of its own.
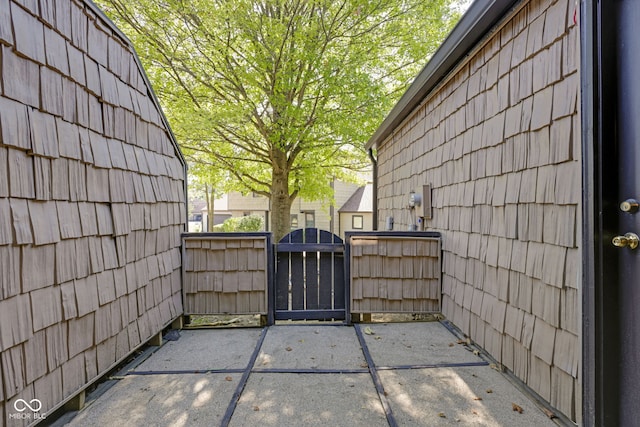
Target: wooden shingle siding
[
  {"x": 394, "y": 274},
  {"x": 91, "y": 210},
  {"x": 499, "y": 142},
  {"x": 225, "y": 274}
]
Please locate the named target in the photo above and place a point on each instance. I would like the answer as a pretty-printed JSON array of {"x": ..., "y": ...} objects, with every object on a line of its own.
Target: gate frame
[{"x": 299, "y": 248}]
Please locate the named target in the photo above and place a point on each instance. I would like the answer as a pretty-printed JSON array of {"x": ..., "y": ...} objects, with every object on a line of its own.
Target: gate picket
[
  {"x": 326, "y": 279},
  {"x": 339, "y": 288},
  {"x": 282, "y": 282},
  {"x": 297, "y": 281},
  {"x": 311, "y": 269}
]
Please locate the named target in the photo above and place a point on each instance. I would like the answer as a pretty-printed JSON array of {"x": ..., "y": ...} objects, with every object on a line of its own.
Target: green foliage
[
  {"x": 281, "y": 95},
  {"x": 241, "y": 223}
]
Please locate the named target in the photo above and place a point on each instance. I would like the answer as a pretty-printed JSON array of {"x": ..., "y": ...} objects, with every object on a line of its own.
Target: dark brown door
[
  {"x": 613, "y": 317},
  {"x": 627, "y": 211}
]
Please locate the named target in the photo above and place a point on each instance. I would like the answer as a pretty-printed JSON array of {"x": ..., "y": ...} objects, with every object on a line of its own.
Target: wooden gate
[{"x": 310, "y": 276}]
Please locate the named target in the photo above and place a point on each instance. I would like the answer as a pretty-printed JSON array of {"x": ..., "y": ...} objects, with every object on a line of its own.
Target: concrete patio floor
[{"x": 405, "y": 374}]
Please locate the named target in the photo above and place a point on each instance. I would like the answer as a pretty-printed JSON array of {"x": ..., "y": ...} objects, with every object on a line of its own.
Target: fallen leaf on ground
[
  {"x": 517, "y": 408},
  {"x": 364, "y": 365},
  {"x": 549, "y": 413},
  {"x": 451, "y": 344},
  {"x": 442, "y": 415},
  {"x": 368, "y": 331},
  {"x": 300, "y": 340},
  {"x": 476, "y": 352},
  {"x": 378, "y": 338},
  {"x": 288, "y": 349},
  {"x": 462, "y": 342},
  {"x": 256, "y": 408},
  {"x": 489, "y": 390},
  {"x": 228, "y": 379},
  {"x": 474, "y": 412},
  {"x": 477, "y": 398}
]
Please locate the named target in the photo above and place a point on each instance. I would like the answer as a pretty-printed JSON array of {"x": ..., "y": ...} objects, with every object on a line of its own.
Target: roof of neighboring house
[
  {"x": 474, "y": 25},
  {"x": 197, "y": 205},
  {"x": 360, "y": 201}
]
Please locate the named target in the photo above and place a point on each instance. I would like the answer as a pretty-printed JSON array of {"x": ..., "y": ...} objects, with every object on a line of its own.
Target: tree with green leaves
[{"x": 281, "y": 94}]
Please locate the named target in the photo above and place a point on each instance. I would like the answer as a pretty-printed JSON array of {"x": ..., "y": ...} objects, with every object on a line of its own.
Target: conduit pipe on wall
[{"x": 374, "y": 191}]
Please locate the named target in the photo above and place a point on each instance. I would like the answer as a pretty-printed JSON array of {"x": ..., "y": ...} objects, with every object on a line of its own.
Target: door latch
[
  {"x": 630, "y": 239},
  {"x": 630, "y": 206}
]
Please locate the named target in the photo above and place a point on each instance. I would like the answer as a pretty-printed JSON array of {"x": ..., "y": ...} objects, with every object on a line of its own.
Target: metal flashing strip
[
  {"x": 376, "y": 378},
  {"x": 243, "y": 381}
]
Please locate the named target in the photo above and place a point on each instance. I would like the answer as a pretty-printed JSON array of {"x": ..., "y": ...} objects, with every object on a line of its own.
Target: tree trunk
[
  {"x": 210, "y": 196},
  {"x": 280, "y": 199}
]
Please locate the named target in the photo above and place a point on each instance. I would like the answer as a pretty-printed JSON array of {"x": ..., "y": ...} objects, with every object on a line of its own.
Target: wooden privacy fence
[
  {"x": 226, "y": 273},
  {"x": 394, "y": 272},
  {"x": 384, "y": 272}
]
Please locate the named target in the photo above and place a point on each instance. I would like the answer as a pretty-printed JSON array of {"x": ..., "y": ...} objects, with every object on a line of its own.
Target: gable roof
[
  {"x": 481, "y": 16},
  {"x": 360, "y": 201}
]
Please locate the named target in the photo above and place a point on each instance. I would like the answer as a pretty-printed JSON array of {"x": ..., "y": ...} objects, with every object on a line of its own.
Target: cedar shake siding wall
[
  {"x": 91, "y": 203},
  {"x": 226, "y": 274},
  {"x": 499, "y": 140}
]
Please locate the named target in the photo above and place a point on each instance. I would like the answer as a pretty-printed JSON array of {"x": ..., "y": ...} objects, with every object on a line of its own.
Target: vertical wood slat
[
  {"x": 297, "y": 280},
  {"x": 326, "y": 280},
  {"x": 311, "y": 270},
  {"x": 282, "y": 281},
  {"x": 339, "y": 288}
]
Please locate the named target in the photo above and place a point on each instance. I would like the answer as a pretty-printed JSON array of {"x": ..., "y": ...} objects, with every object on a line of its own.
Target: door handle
[{"x": 630, "y": 239}]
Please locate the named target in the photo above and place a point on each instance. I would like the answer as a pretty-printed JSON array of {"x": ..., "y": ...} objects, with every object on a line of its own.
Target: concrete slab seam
[
  {"x": 188, "y": 371},
  {"x": 243, "y": 380},
  {"x": 376, "y": 378},
  {"x": 308, "y": 371},
  {"x": 432, "y": 366}
]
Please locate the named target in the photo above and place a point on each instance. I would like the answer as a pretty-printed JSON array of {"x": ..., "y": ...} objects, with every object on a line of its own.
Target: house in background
[
  {"x": 306, "y": 214},
  {"x": 357, "y": 213},
  {"x": 521, "y": 133},
  {"x": 198, "y": 214}
]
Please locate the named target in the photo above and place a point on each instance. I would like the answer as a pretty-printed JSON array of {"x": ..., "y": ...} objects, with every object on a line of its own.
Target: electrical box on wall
[{"x": 424, "y": 209}]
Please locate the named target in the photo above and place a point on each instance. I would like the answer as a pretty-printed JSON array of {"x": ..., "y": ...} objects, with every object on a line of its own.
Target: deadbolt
[
  {"x": 630, "y": 206},
  {"x": 629, "y": 239}
]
